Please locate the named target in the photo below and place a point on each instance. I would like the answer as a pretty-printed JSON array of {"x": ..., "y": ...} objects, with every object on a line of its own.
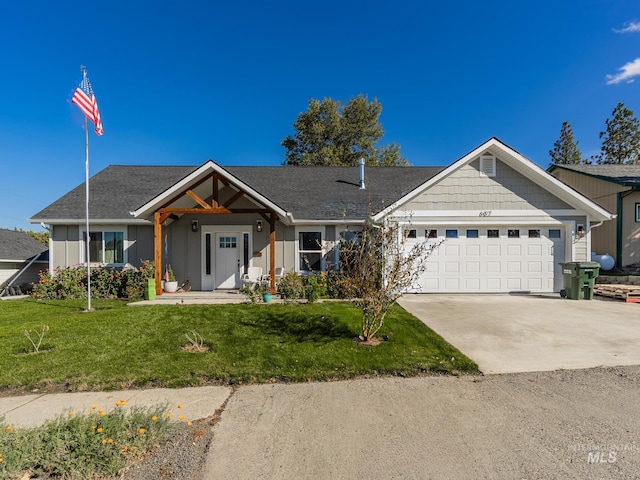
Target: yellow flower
[
  {"x": 93, "y": 407},
  {"x": 179, "y": 405},
  {"x": 99, "y": 430},
  {"x": 154, "y": 418},
  {"x": 89, "y": 414},
  {"x": 101, "y": 412},
  {"x": 93, "y": 427},
  {"x": 104, "y": 441},
  {"x": 142, "y": 430},
  {"x": 110, "y": 440},
  {"x": 181, "y": 417},
  {"x": 169, "y": 415},
  {"x": 189, "y": 423},
  {"x": 9, "y": 428},
  {"x": 70, "y": 414}
]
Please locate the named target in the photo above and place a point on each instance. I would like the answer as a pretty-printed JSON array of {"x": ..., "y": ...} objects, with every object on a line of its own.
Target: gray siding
[
  {"x": 466, "y": 189},
  {"x": 65, "y": 249},
  {"x": 140, "y": 239}
]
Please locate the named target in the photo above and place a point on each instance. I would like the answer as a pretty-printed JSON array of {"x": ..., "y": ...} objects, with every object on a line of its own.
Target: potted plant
[
  {"x": 170, "y": 285},
  {"x": 265, "y": 292}
]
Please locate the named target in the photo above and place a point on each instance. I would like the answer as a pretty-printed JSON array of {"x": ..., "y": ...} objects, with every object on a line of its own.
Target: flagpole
[{"x": 86, "y": 206}]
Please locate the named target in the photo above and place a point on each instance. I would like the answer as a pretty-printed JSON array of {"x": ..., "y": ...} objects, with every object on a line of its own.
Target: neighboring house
[
  {"x": 617, "y": 189},
  {"x": 506, "y": 222},
  {"x": 21, "y": 258}
]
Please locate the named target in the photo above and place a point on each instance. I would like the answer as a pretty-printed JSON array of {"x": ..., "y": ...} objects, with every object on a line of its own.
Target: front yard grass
[{"x": 119, "y": 347}]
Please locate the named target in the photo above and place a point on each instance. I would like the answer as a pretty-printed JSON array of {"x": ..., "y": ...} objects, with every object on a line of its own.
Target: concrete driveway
[{"x": 528, "y": 333}]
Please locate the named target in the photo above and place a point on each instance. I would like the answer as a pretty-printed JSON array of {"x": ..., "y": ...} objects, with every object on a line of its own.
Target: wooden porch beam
[
  {"x": 157, "y": 250},
  {"x": 233, "y": 199},
  {"x": 214, "y": 196},
  {"x": 198, "y": 200}
]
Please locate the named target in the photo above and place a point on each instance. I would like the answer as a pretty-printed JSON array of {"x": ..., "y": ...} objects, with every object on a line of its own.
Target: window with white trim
[
  {"x": 637, "y": 212},
  {"x": 310, "y": 251},
  {"x": 105, "y": 246}
]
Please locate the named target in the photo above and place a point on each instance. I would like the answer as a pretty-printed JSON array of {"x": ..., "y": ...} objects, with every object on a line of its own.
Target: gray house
[
  {"x": 21, "y": 258},
  {"x": 506, "y": 222}
]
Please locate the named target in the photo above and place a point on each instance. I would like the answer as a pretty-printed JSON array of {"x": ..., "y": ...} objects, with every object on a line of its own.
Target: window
[
  {"x": 493, "y": 233},
  {"x": 637, "y": 212},
  {"x": 228, "y": 242},
  {"x": 412, "y": 234},
  {"x": 513, "y": 233},
  {"x": 431, "y": 233},
  {"x": 554, "y": 233},
  {"x": 451, "y": 233},
  {"x": 310, "y": 251},
  {"x": 472, "y": 233},
  {"x": 534, "y": 233},
  {"x": 106, "y": 247}
]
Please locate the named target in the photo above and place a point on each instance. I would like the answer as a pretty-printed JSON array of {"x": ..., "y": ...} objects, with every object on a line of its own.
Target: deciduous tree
[
  {"x": 381, "y": 267},
  {"x": 330, "y": 133}
]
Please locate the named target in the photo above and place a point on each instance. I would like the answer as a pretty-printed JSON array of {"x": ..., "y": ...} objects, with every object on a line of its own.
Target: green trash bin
[
  {"x": 150, "y": 289},
  {"x": 579, "y": 279}
]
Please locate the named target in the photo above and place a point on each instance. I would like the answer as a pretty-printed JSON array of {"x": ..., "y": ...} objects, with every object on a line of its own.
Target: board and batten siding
[{"x": 467, "y": 189}]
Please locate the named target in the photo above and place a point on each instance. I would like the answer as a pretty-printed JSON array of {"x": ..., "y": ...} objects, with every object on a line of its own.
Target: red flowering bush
[{"x": 71, "y": 282}]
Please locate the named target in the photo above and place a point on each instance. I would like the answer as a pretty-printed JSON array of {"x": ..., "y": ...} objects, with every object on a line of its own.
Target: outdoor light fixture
[
  {"x": 194, "y": 225},
  {"x": 580, "y": 230},
  {"x": 259, "y": 225}
]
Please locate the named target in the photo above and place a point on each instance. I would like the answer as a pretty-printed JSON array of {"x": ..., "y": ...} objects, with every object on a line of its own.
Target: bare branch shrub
[{"x": 381, "y": 266}]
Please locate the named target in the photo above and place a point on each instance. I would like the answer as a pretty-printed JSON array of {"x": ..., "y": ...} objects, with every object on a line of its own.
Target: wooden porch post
[
  {"x": 157, "y": 251},
  {"x": 272, "y": 252}
]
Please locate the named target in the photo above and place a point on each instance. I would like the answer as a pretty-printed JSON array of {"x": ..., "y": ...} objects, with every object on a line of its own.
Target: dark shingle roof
[
  {"x": 15, "y": 245},
  {"x": 310, "y": 193},
  {"x": 114, "y": 192},
  {"x": 622, "y": 174},
  {"x": 332, "y": 193}
]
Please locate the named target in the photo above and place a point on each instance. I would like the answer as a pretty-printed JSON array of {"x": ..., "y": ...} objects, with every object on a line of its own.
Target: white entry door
[
  {"x": 224, "y": 254},
  {"x": 228, "y": 260}
]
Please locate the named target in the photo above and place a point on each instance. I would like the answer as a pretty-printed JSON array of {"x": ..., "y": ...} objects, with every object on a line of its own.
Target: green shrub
[
  {"x": 291, "y": 288},
  {"x": 71, "y": 282}
]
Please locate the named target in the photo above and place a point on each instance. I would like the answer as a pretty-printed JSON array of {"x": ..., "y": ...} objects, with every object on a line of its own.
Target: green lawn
[{"x": 122, "y": 347}]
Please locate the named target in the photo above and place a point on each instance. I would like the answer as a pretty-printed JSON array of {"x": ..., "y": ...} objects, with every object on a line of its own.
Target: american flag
[{"x": 84, "y": 98}]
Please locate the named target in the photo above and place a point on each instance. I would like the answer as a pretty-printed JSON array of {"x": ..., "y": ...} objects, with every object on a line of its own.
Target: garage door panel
[
  {"x": 534, "y": 250},
  {"x": 514, "y": 250},
  {"x": 472, "y": 267},
  {"x": 534, "y": 267},
  {"x": 494, "y": 250},
  {"x": 473, "y": 250},
  {"x": 450, "y": 250},
  {"x": 514, "y": 267}
]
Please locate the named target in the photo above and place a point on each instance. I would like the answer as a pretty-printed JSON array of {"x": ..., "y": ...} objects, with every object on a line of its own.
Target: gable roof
[
  {"x": 114, "y": 192},
  {"x": 305, "y": 193},
  {"x": 628, "y": 175},
  {"x": 518, "y": 162},
  {"x": 16, "y": 246}
]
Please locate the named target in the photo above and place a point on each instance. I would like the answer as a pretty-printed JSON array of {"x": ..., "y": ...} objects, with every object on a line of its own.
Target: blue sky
[{"x": 179, "y": 83}]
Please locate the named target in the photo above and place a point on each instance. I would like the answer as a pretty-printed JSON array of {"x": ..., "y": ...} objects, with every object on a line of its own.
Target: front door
[
  {"x": 225, "y": 255},
  {"x": 228, "y": 260}
]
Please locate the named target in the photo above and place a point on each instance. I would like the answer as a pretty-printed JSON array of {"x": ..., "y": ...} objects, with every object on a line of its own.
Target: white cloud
[
  {"x": 630, "y": 27},
  {"x": 627, "y": 72}
]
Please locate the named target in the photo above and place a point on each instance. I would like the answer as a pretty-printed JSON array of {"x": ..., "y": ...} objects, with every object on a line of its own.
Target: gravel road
[{"x": 564, "y": 424}]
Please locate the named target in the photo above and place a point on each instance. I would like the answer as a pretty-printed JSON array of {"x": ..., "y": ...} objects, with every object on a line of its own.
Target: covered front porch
[{"x": 211, "y": 228}]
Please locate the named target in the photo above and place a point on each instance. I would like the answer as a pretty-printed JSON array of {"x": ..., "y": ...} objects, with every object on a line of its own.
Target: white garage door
[{"x": 492, "y": 259}]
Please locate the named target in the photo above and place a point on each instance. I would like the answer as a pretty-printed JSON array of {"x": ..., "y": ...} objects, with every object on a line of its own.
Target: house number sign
[{"x": 486, "y": 213}]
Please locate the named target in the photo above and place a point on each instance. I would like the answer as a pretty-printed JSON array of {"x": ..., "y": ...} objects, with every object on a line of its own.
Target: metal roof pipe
[{"x": 361, "y": 165}]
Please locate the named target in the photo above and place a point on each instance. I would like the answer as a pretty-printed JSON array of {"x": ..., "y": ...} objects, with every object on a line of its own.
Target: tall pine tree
[
  {"x": 565, "y": 150},
  {"x": 621, "y": 139}
]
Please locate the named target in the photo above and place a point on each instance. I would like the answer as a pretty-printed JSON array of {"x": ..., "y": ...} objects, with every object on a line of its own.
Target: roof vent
[
  {"x": 361, "y": 165},
  {"x": 487, "y": 166}
]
